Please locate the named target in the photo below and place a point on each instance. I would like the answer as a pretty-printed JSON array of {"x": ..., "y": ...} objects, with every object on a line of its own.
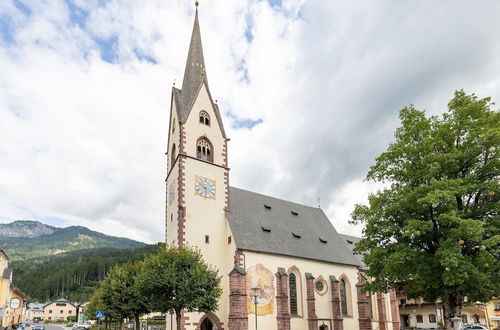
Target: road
[
  {"x": 55, "y": 327},
  {"x": 50, "y": 327}
]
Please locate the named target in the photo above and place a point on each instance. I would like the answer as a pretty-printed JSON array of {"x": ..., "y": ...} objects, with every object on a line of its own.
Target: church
[{"x": 286, "y": 257}]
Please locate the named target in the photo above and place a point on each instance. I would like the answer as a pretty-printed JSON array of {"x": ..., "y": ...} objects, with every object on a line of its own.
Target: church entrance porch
[
  {"x": 209, "y": 321},
  {"x": 207, "y": 325}
]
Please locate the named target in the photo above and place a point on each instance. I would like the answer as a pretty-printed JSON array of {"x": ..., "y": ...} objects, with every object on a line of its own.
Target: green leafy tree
[
  {"x": 120, "y": 293},
  {"x": 95, "y": 304},
  {"x": 177, "y": 278},
  {"x": 436, "y": 229}
]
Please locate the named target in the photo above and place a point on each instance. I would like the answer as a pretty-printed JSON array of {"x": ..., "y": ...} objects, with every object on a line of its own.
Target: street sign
[
  {"x": 99, "y": 314},
  {"x": 15, "y": 303}
]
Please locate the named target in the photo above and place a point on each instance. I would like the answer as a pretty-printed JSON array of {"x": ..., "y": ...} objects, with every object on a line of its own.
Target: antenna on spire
[
  {"x": 174, "y": 82},
  {"x": 319, "y": 202}
]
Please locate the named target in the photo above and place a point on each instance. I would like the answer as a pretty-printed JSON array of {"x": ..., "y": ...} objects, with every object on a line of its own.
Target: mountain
[
  {"x": 73, "y": 275},
  {"x": 26, "y": 239}
]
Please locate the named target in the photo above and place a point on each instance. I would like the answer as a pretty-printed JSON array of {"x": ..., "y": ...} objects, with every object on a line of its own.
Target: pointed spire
[{"x": 194, "y": 74}]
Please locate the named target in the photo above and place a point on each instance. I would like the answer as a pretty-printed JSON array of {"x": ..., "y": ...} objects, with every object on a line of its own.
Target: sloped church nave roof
[{"x": 266, "y": 224}]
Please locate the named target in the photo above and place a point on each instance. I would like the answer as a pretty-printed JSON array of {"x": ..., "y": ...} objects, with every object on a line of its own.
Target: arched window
[
  {"x": 204, "y": 118},
  {"x": 172, "y": 155},
  {"x": 292, "y": 280},
  {"x": 420, "y": 318},
  {"x": 343, "y": 298},
  {"x": 432, "y": 318},
  {"x": 204, "y": 150},
  {"x": 464, "y": 319}
]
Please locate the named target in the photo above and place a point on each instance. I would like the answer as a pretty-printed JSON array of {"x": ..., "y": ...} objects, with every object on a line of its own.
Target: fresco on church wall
[{"x": 261, "y": 277}]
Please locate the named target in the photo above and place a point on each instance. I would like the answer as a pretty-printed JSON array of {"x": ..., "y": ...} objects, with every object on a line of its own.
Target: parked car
[
  {"x": 38, "y": 327},
  {"x": 474, "y": 327},
  {"x": 82, "y": 325}
]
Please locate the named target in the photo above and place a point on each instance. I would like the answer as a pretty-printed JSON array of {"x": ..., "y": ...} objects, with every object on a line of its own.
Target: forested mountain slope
[{"x": 72, "y": 275}]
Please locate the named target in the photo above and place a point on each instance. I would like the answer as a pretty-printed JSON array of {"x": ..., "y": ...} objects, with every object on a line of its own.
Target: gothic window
[
  {"x": 204, "y": 118},
  {"x": 204, "y": 150},
  {"x": 172, "y": 160},
  {"x": 292, "y": 279},
  {"x": 343, "y": 298},
  {"x": 420, "y": 319},
  {"x": 432, "y": 318}
]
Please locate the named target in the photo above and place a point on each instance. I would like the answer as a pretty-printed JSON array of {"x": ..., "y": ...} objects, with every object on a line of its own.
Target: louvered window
[
  {"x": 343, "y": 298},
  {"x": 203, "y": 150},
  {"x": 293, "y": 294},
  {"x": 204, "y": 118}
]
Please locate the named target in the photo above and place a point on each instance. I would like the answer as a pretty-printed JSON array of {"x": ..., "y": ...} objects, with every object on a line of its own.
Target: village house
[
  {"x": 417, "y": 313},
  {"x": 12, "y": 299},
  {"x": 60, "y": 309},
  {"x": 34, "y": 311}
]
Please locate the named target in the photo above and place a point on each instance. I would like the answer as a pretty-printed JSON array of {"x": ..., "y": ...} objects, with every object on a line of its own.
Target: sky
[{"x": 309, "y": 92}]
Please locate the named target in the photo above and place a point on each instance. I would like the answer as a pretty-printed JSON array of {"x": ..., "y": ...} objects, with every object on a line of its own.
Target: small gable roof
[
  {"x": 266, "y": 224},
  {"x": 7, "y": 274},
  {"x": 4, "y": 254},
  {"x": 60, "y": 300}
]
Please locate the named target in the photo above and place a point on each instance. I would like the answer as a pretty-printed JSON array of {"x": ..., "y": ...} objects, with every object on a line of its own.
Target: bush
[{"x": 68, "y": 325}]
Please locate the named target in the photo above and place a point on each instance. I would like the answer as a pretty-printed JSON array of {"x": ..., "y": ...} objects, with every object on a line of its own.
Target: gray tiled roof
[
  {"x": 194, "y": 76},
  {"x": 350, "y": 241},
  {"x": 306, "y": 233},
  {"x": 7, "y": 273}
]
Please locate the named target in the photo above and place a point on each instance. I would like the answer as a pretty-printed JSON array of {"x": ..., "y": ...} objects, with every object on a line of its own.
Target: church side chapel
[{"x": 289, "y": 255}]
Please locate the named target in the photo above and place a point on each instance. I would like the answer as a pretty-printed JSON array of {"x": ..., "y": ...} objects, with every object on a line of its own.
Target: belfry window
[
  {"x": 343, "y": 298},
  {"x": 292, "y": 279},
  {"x": 204, "y": 150},
  {"x": 204, "y": 118}
]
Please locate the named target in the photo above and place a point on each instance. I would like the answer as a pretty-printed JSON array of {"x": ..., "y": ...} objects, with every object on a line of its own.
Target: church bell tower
[{"x": 197, "y": 183}]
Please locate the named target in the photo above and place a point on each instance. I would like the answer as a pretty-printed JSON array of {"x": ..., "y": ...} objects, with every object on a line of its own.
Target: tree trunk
[
  {"x": 452, "y": 307},
  {"x": 178, "y": 318},
  {"x": 137, "y": 322}
]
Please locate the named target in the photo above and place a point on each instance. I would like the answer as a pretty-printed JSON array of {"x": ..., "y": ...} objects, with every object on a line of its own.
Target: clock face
[
  {"x": 171, "y": 193},
  {"x": 205, "y": 187}
]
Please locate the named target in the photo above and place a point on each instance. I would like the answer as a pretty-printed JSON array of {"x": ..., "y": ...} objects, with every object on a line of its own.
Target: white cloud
[{"x": 83, "y": 139}]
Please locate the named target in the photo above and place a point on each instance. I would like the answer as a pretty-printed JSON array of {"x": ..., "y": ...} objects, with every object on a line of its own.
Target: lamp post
[{"x": 255, "y": 302}]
